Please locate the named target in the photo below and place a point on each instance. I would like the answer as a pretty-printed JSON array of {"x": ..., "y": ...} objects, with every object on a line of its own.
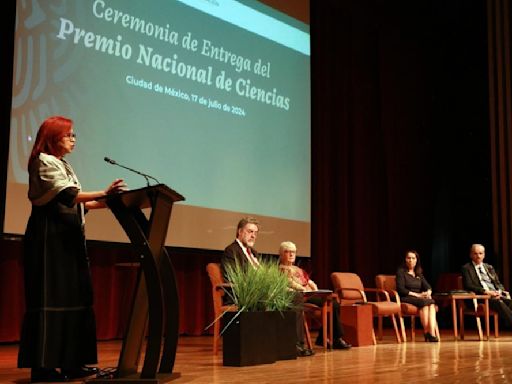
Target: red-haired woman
[{"x": 59, "y": 329}]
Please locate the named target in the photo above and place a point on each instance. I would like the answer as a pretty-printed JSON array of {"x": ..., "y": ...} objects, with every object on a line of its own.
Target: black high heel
[{"x": 430, "y": 338}]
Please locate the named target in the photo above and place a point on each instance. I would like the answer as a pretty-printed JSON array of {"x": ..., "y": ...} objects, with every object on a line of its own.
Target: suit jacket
[
  {"x": 471, "y": 281},
  {"x": 234, "y": 253}
]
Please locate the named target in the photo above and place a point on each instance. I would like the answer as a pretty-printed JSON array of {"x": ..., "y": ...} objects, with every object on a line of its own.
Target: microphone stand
[{"x": 147, "y": 177}]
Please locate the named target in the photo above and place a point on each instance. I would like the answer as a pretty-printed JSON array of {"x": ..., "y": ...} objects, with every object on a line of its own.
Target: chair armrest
[
  {"x": 394, "y": 294},
  {"x": 377, "y": 291},
  {"x": 221, "y": 286},
  {"x": 339, "y": 292}
]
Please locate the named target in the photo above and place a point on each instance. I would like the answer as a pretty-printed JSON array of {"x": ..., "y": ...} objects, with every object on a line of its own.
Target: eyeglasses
[{"x": 71, "y": 135}]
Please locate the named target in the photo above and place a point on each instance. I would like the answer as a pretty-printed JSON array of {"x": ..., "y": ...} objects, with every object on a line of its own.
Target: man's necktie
[
  {"x": 254, "y": 260},
  {"x": 486, "y": 279}
]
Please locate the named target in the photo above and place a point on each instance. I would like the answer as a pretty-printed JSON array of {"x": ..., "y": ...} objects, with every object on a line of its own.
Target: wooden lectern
[{"x": 155, "y": 304}]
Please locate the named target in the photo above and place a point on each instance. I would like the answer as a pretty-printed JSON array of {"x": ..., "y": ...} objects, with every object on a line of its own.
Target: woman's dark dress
[
  {"x": 406, "y": 283},
  {"x": 59, "y": 329}
]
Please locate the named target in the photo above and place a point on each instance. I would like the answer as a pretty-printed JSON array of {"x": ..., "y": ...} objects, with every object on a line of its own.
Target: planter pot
[
  {"x": 286, "y": 335},
  {"x": 250, "y": 339},
  {"x": 259, "y": 338}
]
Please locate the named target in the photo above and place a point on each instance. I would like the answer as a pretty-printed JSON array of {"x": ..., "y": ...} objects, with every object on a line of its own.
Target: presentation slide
[{"x": 210, "y": 97}]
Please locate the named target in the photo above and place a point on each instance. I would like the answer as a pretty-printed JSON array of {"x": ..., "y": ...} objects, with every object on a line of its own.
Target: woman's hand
[
  {"x": 89, "y": 198},
  {"x": 118, "y": 185}
]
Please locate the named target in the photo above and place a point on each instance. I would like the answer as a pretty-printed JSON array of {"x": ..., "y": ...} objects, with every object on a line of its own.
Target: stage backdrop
[{"x": 400, "y": 154}]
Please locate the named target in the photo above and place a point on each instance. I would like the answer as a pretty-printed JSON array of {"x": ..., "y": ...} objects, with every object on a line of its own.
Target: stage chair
[
  {"x": 477, "y": 311},
  {"x": 388, "y": 283},
  {"x": 350, "y": 290},
  {"x": 218, "y": 285}
]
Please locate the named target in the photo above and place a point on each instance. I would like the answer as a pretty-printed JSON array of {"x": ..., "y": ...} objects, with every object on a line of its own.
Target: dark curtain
[
  {"x": 400, "y": 158},
  {"x": 400, "y": 135},
  {"x": 114, "y": 276}
]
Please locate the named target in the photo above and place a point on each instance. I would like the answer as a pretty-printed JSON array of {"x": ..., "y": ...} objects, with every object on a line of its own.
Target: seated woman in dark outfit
[
  {"x": 414, "y": 289},
  {"x": 298, "y": 280}
]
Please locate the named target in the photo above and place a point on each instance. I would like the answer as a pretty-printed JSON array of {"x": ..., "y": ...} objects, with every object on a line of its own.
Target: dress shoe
[
  {"x": 430, "y": 338},
  {"x": 341, "y": 344},
  {"x": 303, "y": 351},
  {"x": 77, "y": 373},
  {"x": 338, "y": 344},
  {"x": 47, "y": 375}
]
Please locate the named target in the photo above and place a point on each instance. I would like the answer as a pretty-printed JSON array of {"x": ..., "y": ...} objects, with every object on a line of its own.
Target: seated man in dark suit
[
  {"x": 481, "y": 278},
  {"x": 241, "y": 250}
]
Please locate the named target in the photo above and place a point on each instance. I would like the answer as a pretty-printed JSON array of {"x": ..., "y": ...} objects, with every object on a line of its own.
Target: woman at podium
[{"x": 59, "y": 329}]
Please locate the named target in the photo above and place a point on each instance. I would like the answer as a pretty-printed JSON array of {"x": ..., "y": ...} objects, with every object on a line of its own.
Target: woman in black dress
[
  {"x": 414, "y": 289},
  {"x": 59, "y": 329}
]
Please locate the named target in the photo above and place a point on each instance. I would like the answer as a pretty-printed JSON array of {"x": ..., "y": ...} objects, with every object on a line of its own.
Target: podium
[{"x": 155, "y": 305}]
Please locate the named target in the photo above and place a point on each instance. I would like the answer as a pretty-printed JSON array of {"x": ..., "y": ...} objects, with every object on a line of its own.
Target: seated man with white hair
[
  {"x": 481, "y": 278},
  {"x": 299, "y": 281}
]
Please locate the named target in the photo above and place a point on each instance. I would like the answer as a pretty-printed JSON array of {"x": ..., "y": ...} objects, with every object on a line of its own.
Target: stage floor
[{"x": 468, "y": 361}]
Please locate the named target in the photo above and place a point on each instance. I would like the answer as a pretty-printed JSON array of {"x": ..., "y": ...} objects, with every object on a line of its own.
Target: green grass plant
[{"x": 264, "y": 288}]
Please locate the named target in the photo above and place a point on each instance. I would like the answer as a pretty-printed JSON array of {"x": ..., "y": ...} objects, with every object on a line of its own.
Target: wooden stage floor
[{"x": 469, "y": 361}]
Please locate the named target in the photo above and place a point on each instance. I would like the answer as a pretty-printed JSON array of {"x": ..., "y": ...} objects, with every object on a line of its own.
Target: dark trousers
[
  {"x": 504, "y": 309},
  {"x": 337, "y": 328},
  {"x": 298, "y": 301}
]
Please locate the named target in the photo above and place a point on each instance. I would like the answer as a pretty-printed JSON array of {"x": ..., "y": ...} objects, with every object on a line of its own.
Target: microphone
[{"x": 147, "y": 177}]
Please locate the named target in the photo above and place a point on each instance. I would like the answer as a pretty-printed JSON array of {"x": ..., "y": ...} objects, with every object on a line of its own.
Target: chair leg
[
  {"x": 395, "y": 326},
  {"x": 216, "y": 332},
  {"x": 402, "y": 327},
  {"x": 461, "y": 323},
  {"x": 413, "y": 328},
  {"x": 479, "y": 326},
  {"x": 329, "y": 320},
  {"x": 373, "y": 337},
  {"x": 496, "y": 328},
  {"x": 324, "y": 327}
]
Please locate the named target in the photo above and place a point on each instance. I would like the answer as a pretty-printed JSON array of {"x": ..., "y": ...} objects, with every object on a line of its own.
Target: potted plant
[{"x": 263, "y": 328}]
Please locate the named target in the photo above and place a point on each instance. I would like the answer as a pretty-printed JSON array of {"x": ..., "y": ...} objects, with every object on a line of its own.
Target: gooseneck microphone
[{"x": 147, "y": 177}]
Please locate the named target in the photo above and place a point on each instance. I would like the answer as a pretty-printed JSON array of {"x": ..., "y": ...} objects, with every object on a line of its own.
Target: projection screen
[{"x": 210, "y": 97}]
